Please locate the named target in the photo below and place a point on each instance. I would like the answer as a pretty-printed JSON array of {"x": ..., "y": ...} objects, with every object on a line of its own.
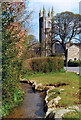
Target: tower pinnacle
[
  {"x": 49, "y": 13},
  {"x": 40, "y": 13},
  {"x": 52, "y": 12},
  {"x": 44, "y": 12}
]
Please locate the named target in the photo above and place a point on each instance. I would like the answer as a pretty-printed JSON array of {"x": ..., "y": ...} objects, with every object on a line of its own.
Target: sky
[{"x": 58, "y": 5}]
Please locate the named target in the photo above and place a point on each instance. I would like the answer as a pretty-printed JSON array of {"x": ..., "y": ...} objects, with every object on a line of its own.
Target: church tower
[{"x": 44, "y": 28}]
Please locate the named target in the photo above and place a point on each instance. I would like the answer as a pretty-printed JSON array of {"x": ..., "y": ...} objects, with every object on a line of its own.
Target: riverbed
[{"x": 32, "y": 106}]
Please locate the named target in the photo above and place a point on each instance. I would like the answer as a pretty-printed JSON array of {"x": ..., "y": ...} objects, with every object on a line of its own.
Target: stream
[{"x": 32, "y": 106}]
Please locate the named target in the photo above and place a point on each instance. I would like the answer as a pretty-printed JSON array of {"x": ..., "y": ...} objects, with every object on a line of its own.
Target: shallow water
[{"x": 31, "y": 107}]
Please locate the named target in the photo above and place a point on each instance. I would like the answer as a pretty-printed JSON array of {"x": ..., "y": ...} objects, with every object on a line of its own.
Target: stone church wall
[{"x": 74, "y": 53}]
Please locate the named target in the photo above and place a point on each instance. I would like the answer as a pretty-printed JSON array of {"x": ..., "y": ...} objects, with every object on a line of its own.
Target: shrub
[
  {"x": 12, "y": 93},
  {"x": 74, "y": 63},
  {"x": 43, "y": 64}
]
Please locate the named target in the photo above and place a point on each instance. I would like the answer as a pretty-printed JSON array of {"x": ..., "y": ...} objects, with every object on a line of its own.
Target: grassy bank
[
  {"x": 68, "y": 81},
  {"x": 55, "y": 77}
]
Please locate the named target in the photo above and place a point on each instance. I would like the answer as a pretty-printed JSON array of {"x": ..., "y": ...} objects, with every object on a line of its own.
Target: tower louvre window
[{"x": 48, "y": 23}]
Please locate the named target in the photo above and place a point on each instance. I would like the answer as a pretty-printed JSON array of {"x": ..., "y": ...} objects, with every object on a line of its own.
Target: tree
[
  {"x": 13, "y": 36},
  {"x": 66, "y": 27},
  {"x": 30, "y": 47}
]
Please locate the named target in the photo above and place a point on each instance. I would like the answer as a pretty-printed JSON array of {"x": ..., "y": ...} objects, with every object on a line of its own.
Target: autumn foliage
[{"x": 13, "y": 35}]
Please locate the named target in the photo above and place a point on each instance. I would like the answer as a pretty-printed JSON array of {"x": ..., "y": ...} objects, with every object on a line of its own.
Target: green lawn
[
  {"x": 70, "y": 94},
  {"x": 47, "y": 78},
  {"x": 73, "y": 115}
]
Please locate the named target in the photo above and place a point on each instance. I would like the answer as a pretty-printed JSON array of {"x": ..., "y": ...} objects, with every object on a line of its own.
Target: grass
[
  {"x": 73, "y": 115},
  {"x": 48, "y": 78},
  {"x": 70, "y": 95}
]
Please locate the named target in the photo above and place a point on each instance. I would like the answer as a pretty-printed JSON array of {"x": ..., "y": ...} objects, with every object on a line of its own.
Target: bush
[
  {"x": 74, "y": 63},
  {"x": 12, "y": 93},
  {"x": 43, "y": 64}
]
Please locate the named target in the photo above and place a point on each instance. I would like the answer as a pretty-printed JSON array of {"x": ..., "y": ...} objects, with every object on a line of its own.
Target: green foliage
[
  {"x": 74, "y": 63},
  {"x": 11, "y": 66},
  {"x": 43, "y": 64},
  {"x": 18, "y": 96},
  {"x": 11, "y": 91},
  {"x": 62, "y": 70}
]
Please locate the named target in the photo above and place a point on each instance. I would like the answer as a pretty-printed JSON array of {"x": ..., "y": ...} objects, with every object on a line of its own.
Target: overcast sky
[{"x": 58, "y": 5}]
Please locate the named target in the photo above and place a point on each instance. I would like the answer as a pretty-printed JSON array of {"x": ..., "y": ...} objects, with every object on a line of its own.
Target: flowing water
[{"x": 31, "y": 107}]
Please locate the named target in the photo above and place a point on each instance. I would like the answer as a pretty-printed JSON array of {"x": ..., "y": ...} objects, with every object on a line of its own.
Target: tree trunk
[{"x": 66, "y": 57}]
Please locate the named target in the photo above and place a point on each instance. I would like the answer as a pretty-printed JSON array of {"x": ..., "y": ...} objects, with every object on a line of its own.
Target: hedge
[
  {"x": 43, "y": 64},
  {"x": 74, "y": 63}
]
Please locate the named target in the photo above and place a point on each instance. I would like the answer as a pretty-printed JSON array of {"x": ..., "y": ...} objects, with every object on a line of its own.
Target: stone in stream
[
  {"x": 47, "y": 96},
  {"x": 53, "y": 102}
]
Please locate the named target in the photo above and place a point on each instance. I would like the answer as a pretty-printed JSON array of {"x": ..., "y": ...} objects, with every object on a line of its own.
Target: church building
[
  {"x": 44, "y": 28},
  {"x": 45, "y": 31}
]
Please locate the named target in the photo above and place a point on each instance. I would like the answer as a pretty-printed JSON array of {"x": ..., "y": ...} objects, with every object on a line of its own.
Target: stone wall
[{"x": 74, "y": 53}]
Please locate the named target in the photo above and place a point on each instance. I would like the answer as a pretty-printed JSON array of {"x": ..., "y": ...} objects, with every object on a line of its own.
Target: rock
[
  {"x": 28, "y": 81},
  {"x": 51, "y": 103},
  {"x": 77, "y": 73},
  {"x": 49, "y": 111},
  {"x": 78, "y": 107},
  {"x": 35, "y": 84},
  {"x": 61, "y": 90},
  {"x": 59, "y": 113},
  {"x": 50, "y": 88},
  {"x": 56, "y": 113},
  {"x": 57, "y": 99},
  {"x": 48, "y": 95},
  {"x": 32, "y": 81},
  {"x": 40, "y": 84},
  {"x": 23, "y": 79},
  {"x": 73, "y": 87},
  {"x": 50, "y": 116},
  {"x": 54, "y": 102}
]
